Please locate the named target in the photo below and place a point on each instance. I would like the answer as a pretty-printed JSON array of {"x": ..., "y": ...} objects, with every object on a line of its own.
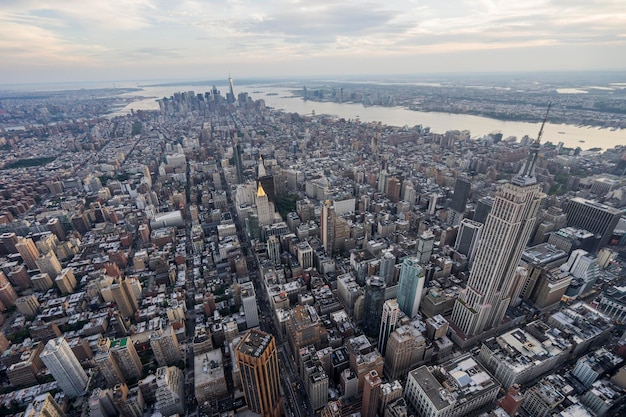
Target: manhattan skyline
[{"x": 73, "y": 41}]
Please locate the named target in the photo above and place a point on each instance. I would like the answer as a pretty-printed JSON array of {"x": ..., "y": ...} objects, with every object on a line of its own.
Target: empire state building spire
[{"x": 526, "y": 175}]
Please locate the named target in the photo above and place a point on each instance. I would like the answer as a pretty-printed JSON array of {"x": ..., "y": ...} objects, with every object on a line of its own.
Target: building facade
[
  {"x": 410, "y": 287},
  {"x": 257, "y": 358},
  {"x": 64, "y": 367},
  {"x": 482, "y": 305}
]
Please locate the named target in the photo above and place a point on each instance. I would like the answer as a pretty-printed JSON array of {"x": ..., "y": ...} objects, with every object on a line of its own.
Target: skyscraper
[
  {"x": 468, "y": 237},
  {"x": 127, "y": 358},
  {"x": 373, "y": 305},
  {"x": 462, "y": 190},
  {"x": 483, "y": 303},
  {"x": 238, "y": 162},
  {"x": 49, "y": 264},
  {"x": 371, "y": 394},
  {"x": 590, "y": 215},
  {"x": 266, "y": 180},
  {"x": 483, "y": 208},
  {"x": 410, "y": 286},
  {"x": 64, "y": 367},
  {"x": 263, "y": 207},
  {"x": 327, "y": 227},
  {"x": 425, "y": 243},
  {"x": 230, "y": 96},
  {"x": 273, "y": 249},
  {"x": 387, "y": 266},
  {"x": 28, "y": 251},
  {"x": 107, "y": 365},
  {"x": 388, "y": 323},
  {"x": 257, "y": 358},
  {"x": 248, "y": 300},
  {"x": 124, "y": 298},
  {"x": 165, "y": 345}
]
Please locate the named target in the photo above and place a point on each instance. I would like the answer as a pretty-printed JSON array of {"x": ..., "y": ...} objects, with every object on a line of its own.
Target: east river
[{"x": 281, "y": 98}]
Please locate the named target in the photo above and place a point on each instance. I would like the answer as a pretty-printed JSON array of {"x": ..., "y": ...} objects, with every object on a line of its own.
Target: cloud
[{"x": 163, "y": 33}]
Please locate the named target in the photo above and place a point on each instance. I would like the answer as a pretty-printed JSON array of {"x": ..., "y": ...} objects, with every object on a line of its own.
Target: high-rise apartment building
[
  {"x": 410, "y": 286},
  {"x": 66, "y": 281},
  {"x": 127, "y": 358},
  {"x": 124, "y": 297},
  {"x": 129, "y": 402},
  {"x": 8, "y": 241},
  {"x": 8, "y": 296},
  {"x": 257, "y": 359},
  {"x": 19, "y": 277},
  {"x": 170, "y": 392},
  {"x": 391, "y": 311},
  {"x": 41, "y": 282},
  {"x": 55, "y": 226},
  {"x": 28, "y": 305},
  {"x": 44, "y": 406},
  {"x": 28, "y": 251},
  {"x": 49, "y": 264},
  {"x": 107, "y": 365},
  {"x": 482, "y": 305},
  {"x": 64, "y": 367},
  {"x": 165, "y": 345}
]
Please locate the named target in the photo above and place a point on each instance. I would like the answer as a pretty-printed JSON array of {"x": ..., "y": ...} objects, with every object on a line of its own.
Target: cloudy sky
[{"x": 90, "y": 40}]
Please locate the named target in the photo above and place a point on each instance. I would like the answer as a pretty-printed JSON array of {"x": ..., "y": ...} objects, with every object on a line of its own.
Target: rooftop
[
  {"x": 456, "y": 381},
  {"x": 254, "y": 343},
  {"x": 208, "y": 367},
  {"x": 543, "y": 254},
  {"x": 523, "y": 349}
]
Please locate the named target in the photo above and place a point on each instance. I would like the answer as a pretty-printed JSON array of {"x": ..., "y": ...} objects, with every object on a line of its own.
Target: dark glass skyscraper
[{"x": 373, "y": 305}]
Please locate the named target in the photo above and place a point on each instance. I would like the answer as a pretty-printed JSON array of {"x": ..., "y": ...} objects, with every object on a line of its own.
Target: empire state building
[{"x": 483, "y": 303}]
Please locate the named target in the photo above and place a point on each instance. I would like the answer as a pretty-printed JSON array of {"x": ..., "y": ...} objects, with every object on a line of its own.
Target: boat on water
[
  {"x": 581, "y": 141},
  {"x": 561, "y": 133}
]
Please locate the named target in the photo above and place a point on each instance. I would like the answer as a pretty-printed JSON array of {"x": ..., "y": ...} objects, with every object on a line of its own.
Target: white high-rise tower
[
  {"x": 64, "y": 367},
  {"x": 482, "y": 305},
  {"x": 388, "y": 322}
]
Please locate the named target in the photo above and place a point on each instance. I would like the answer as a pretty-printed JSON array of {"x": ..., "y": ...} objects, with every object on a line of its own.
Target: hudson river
[{"x": 281, "y": 99}]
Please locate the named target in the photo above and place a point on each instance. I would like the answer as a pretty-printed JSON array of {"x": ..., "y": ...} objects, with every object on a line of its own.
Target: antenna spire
[
  {"x": 526, "y": 175},
  {"x": 543, "y": 124}
]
